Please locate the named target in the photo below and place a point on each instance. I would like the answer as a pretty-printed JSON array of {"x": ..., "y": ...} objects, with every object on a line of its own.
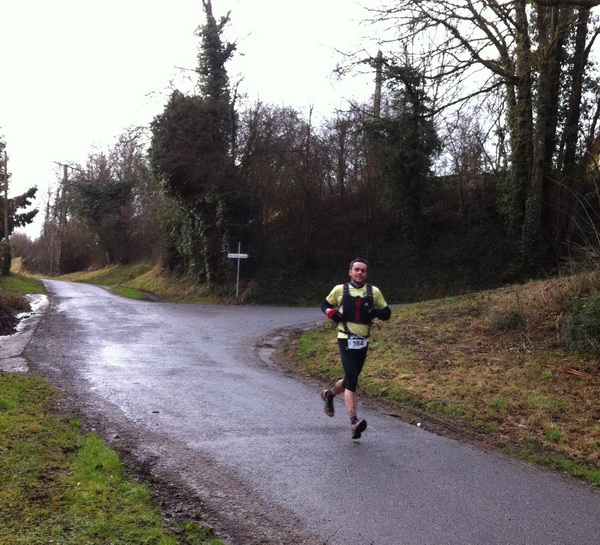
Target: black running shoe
[
  {"x": 357, "y": 427},
  {"x": 327, "y": 397}
]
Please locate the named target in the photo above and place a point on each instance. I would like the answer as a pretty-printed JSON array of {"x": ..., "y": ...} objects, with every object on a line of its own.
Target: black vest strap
[{"x": 355, "y": 308}]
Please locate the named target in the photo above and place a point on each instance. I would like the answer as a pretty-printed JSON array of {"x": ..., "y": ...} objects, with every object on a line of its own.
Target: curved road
[{"x": 187, "y": 392}]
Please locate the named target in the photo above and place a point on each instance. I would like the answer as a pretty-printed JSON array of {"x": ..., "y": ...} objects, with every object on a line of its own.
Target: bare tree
[{"x": 286, "y": 161}]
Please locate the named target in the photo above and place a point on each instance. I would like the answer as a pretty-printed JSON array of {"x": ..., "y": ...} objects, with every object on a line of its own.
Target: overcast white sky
[{"x": 76, "y": 73}]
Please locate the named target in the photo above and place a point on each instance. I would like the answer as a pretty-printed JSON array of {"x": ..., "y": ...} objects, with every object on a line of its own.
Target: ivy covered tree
[
  {"x": 405, "y": 142},
  {"x": 106, "y": 209},
  {"x": 192, "y": 157}
]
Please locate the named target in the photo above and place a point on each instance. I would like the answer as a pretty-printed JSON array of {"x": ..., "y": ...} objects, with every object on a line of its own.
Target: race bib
[{"x": 356, "y": 343}]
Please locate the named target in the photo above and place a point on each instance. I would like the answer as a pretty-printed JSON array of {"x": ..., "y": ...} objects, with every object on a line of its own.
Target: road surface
[{"x": 189, "y": 396}]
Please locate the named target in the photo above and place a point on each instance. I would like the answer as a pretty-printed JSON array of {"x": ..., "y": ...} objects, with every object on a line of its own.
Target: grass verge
[
  {"x": 491, "y": 367},
  {"x": 145, "y": 281},
  {"x": 60, "y": 485}
]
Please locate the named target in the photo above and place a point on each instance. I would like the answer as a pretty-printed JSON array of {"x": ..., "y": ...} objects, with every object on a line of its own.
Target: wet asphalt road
[{"x": 188, "y": 390}]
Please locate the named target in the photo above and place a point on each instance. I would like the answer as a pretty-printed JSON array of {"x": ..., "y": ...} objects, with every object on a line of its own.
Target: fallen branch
[{"x": 575, "y": 372}]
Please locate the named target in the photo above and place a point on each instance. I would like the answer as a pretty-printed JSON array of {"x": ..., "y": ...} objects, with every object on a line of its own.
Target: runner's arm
[
  {"x": 332, "y": 313},
  {"x": 383, "y": 313}
]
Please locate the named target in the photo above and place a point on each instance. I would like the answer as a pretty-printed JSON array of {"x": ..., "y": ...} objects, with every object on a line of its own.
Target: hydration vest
[{"x": 355, "y": 308}]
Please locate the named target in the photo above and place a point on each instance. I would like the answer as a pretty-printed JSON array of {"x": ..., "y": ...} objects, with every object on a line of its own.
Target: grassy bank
[
  {"x": 491, "y": 367},
  {"x": 146, "y": 281}
]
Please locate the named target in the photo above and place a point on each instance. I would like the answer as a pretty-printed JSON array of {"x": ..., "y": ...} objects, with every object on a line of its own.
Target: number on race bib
[{"x": 356, "y": 343}]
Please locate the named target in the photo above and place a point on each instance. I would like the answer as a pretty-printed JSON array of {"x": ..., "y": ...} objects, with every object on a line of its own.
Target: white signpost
[{"x": 238, "y": 256}]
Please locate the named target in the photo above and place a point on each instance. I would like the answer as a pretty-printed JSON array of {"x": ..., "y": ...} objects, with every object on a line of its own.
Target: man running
[{"x": 353, "y": 306}]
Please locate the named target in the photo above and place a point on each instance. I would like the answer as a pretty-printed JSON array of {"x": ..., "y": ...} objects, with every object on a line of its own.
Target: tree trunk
[
  {"x": 536, "y": 238},
  {"x": 564, "y": 197},
  {"x": 520, "y": 120}
]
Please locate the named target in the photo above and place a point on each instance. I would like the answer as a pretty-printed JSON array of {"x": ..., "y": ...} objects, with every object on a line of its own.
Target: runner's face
[{"x": 358, "y": 273}]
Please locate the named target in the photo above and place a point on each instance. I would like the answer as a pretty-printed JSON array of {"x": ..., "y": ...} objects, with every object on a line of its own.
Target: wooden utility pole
[
  {"x": 5, "y": 173},
  {"x": 62, "y": 215},
  {"x": 373, "y": 167},
  {"x": 57, "y": 233},
  {"x": 378, "y": 84}
]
